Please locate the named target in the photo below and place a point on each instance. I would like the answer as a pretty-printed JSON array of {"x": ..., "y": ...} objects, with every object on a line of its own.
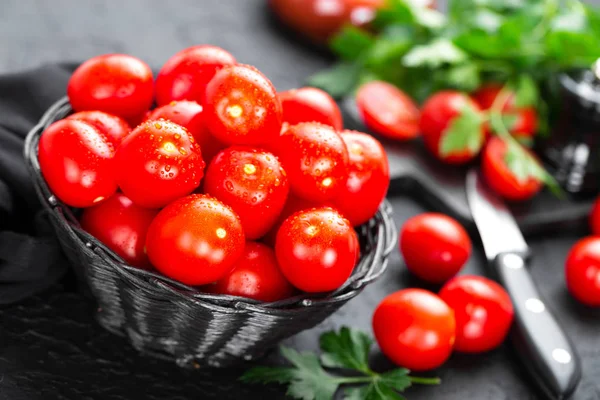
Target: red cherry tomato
[
  {"x": 195, "y": 240},
  {"x": 483, "y": 312},
  {"x": 525, "y": 124},
  {"x": 310, "y": 105},
  {"x": 500, "y": 178},
  {"x": 242, "y": 106},
  {"x": 437, "y": 115},
  {"x": 415, "y": 329},
  {"x": 292, "y": 205},
  {"x": 121, "y": 226},
  {"x": 486, "y": 95},
  {"x": 114, "y": 128},
  {"x": 316, "y": 250},
  {"x": 316, "y": 160},
  {"x": 255, "y": 275},
  {"x": 595, "y": 217},
  {"x": 189, "y": 115},
  {"x": 388, "y": 111},
  {"x": 252, "y": 183},
  {"x": 114, "y": 83},
  {"x": 368, "y": 178},
  {"x": 158, "y": 163},
  {"x": 435, "y": 247},
  {"x": 185, "y": 75},
  {"x": 583, "y": 271},
  {"x": 77, "y": 162}
]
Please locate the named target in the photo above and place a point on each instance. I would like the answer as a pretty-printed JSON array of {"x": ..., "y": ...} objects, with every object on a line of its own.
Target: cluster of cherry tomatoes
[
  {"x": 226, "y": 184},
  {"x": 388, "y": 111}
]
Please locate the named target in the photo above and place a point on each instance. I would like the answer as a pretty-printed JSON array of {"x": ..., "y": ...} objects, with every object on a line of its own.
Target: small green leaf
[
  {"x": 509, "y": 120},
  {"x": 465, "y": 77},
  {"x": 394, "y": 12},
  {"x": 397, "y": 379},
  {"x": 311, "y": 381},
  {"x": 434, "y": 54},
  {"x": 463, "y": 133},
  {"x": 351, "y": 42},
  {"x": 347, "y": 349},
  {"x": 527, "y": 94},
  {"x": 524, "y": 166},
  {"x": 375, "y": 391},
  {"x": 338, "y": 80}
]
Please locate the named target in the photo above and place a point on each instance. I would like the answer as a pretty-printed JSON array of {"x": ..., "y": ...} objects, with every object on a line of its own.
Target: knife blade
[{"x": 539, "y": 340}]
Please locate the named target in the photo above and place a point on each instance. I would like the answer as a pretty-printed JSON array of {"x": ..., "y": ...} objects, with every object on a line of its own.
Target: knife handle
[{"x": 539, "y": 340}]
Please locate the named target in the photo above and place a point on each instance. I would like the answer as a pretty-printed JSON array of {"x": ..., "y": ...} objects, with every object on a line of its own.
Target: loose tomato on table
[
  {"x": 435, "y": 247},
  {"x": 415, "y": 329},
  {"x": 388, "y": 111},
  {"x": 483, "y": 312},
  {"x": 500, "y": 177},
  {"x": 256, "y": 275},
  {"x": 77, "y": 162},
  {"x": 114, "y": 128},
  {"x": 310, "y": 104},
  {"x": 195, "y": 240},
  {"x": 253, "y": 183},
  {"x": 157, "y": 163},
  {"x": 452, "y": 127},
  {"x": 317, "y": 249},
  {"x": 242, "y": 107},
  {"x": 118, "y": 84},
  {"x": 185, "y": 75},
  {"x": 582, "y": 271},
  {"x": 368, "y": 178},
  {"x": 121, "y": 226}
]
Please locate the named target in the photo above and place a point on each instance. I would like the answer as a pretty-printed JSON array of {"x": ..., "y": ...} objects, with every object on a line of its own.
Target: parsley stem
[
  {"x": 354, "y": 379},
  {"x": 496, "y": 113},
  {"x": 424, "y": 381}
]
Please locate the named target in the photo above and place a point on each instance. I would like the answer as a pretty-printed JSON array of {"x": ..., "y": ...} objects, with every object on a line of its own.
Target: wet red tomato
[
  {"x": 242, "y": 107},
  {"x": 77, "y": 162},
  {"x": 292, "y": 205},
  {"x": 158, "y": 163},
  {"x": 189, "y": 115},
  {"x": 121, "y": 226},
  {"x": 582, "y": 271},
  {"x": 483, "y": 312},
  {"x": 500, "y": 178},
  {"x": 114, "y": 83},
  {"x": 316, "y": 249},
  {"x": 195, "y": 240},
  {"x": 368, "y": 178},
  {"x": 388, "y": 111},
  {"x": 114, "y": 128},
  {"x": 256, "y": 275},
  {"x": 252, "y": 183},
  {"x": 316, "y": 160},
  {"x": 434, "y": 246},
  {"x": 415, "y": 329},
  {"x": 185, "y": 75},
  {"x": 310, "y": 105}
]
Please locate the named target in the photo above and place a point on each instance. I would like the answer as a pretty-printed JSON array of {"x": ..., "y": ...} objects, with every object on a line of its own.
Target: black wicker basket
[{"x": 177, "y": 322}]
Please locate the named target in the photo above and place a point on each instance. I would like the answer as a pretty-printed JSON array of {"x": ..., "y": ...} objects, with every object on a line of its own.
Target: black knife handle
[{"x": 539, "y": 340}]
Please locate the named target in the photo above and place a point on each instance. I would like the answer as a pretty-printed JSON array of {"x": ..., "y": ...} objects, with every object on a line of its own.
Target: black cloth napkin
[{"x": 30, "y": 257}]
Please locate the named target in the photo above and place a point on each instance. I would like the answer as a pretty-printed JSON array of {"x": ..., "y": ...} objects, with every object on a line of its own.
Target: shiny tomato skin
[
  {"x": 310, "y": 104},
  {"x": 435, "y": 247},
  {"x": 594, "y": 220},
  {"x": 316, "y": 160},
  {"x": 526, "y": 123},
  {"x": 500, "y": 178},
  {"x": 77, "y": 163},
  {"x": 388, "y": 111},
  {"x": 293, "y": 204},
  {"x": 483, "y": 312},
  {"x": 189, "y": 115},
  {"x": 242, "y": 106},
  {"x": 121, "y": 226},
  {"x": 114, "y": 128},
  {"x": 185, "y": 75},
  {"x": 118, "y": 84},
  {"x": 252, "y": 182},
  {"x": 158, "y": 163},
  {"x": 195, "y": 240},
  {"x": 317, "y": 249},
  {"x": 256, "y": 275},
  {"x": 368, "y": 178},
  {"x": 437, "y": 114},
  {"x": 415, "y": 329},
  {"x": 582, "y": 271}
]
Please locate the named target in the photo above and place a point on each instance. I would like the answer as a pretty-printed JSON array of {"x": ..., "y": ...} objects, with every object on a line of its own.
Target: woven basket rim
[{"x": 371, "y": 265}]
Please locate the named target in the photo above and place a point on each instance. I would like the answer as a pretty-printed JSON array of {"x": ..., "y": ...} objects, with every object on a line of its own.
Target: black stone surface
[{"x": 50, "y": 346}]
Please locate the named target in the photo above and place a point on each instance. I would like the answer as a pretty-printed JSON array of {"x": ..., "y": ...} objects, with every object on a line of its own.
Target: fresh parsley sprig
[{"x": 310, "y": 377}]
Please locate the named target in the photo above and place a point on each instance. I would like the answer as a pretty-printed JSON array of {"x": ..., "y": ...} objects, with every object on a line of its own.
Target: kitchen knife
[{"x": 539, "y": 340}]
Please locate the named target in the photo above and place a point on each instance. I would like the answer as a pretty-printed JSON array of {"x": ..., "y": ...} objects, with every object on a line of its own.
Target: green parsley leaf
[
  {"x": 351, "y": 42},
  {"x": 394, "y": 12},
  {"x": 397, "y": 379},
  {"x": 509, "y": 120},
  {"x": 524, "y": 166},
  {"x": 347, "y": 349},
  {"x": 338, "y": 80},
  {"x": 465, "y": 77},
  {"x": 463, "y": 133},
  {"x": 527, "y": 94},
  {"x": 434, "y": 54},
  {"x": 375, "y": 391}
]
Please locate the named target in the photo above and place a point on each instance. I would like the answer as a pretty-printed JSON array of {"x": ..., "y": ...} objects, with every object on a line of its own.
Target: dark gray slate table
[{"x": 50, "y": 347}]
